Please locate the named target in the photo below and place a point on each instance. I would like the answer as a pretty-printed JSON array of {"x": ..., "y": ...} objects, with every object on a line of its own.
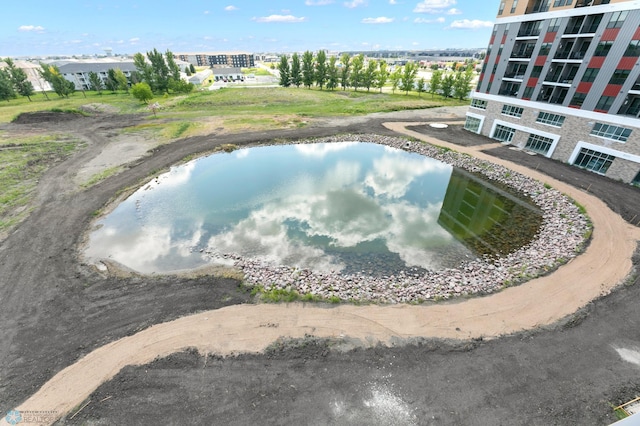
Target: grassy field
[{"x": 25, "y": 159}]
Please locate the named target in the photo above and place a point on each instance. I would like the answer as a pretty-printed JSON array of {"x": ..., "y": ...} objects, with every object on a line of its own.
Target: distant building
[
  {"x": 218, "y": 59},
  {"x": 77, "y": 71},
  {"x": 200, "y": 77},
  {"x": 227, "y": 74},
  {"x": 562, "y": 78}
]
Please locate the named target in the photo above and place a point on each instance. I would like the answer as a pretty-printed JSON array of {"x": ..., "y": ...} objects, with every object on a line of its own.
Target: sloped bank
[{"x": 564, "y": 232}]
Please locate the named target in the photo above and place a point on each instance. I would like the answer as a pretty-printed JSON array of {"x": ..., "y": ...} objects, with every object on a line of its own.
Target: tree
[
  {"x": 161, "y": 72},
  {"x": 307, "y": 69},
  {"x": 382, "y": 75},
  {"x": 60, "y": 85},
  {"x": 332, "y": 73},
  {"x": 6, "y": 86},
  {"x": 95, "y": 82},
  {"x": 345, "y": 59},
  {"x": 421, "y": 85},
  {"x": 434, "y": 66},
  {"x": 408, "y": 80},
  {"x": 121, "y": 80},
  {"x": 357, "y": 65},
  {"x": 112, "y": 82},
  {"x": 283, "y": 68},
  {"x": 174, "y": 69},
  {"x": 370, "y": 74},
  {"x": 395, "y": 78},
  {"x": 192, "y": 69},
  {"x": 296, "y": 70},
  {"x": 321, "y": 68},
  {"x": 19, "y": 79},
  {"x": 462, "y": 83},
  {"x": 144, "y": 71},
  {"x": 435, "y": 84},
  {"x": 447, "y": 85},
  {"x": 142, "y": 92},
  {"x": 188, "y": 71}
]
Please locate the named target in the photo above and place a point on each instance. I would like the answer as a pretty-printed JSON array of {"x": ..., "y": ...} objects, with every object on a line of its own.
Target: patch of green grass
[
  {"x": 24, "y": 160},
  {"x": 99, "y": 177}
]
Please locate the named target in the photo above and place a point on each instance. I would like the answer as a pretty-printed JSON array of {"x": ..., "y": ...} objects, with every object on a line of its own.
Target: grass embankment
[{"x": 24, "y": 160}]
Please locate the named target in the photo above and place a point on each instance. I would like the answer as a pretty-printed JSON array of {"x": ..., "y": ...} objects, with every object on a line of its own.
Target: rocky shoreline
[{"x": 562, "y": 236}]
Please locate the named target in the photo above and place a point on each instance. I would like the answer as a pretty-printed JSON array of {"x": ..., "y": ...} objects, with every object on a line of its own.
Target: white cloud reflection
[{"x": 320, "y": 150}]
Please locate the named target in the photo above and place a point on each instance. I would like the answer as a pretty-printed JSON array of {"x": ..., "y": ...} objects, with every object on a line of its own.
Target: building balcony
[
  {"x": 521, "y": 55},
  {"x": 509, "y": 93},
  {"x": 514, "y": 76}
]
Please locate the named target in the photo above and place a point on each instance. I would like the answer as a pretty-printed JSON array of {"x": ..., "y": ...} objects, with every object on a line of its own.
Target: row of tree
[{"x": 308, "y": 70}]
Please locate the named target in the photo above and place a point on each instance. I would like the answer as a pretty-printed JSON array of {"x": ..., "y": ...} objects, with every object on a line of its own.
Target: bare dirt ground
[{"x": 56, "y": 310}]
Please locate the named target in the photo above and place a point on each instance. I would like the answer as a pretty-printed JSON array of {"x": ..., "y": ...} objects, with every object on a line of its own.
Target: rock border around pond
[{"x": 562, "y": 236}]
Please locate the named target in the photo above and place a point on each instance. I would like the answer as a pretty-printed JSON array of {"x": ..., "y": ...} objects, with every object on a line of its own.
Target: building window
[
  {"x": 559, "y": 3},
  {"x": 513, "y": 111},
  {"x": 501, "y": 9},
  {"x": 537, "y": 70},
  {"x": 539, "y": 143},
  {"x": 609, "y": 131},
  {"x": 504, "y": 133},
  {"x": 554, "y": 25},
  {"x": 636, "y": 180},
  {"x": 528, "y": 92},
  {"x": 619, "y": 76},
  {"x": 544, "y": 49},
  {"x": 603, "y": 48},
  {"x": 472, "y": 124},
  {"x": 594, "y": 160},
  {"x": 550, "y": 119},
  {"x": 590, "y": 74},
  {"x": 479, "y": 103},
  {"x": 500, "y": 49},
  {"x": 514, "y": 6},
  {"x": 578, "y": 99},
  {"x": 604, "y": 103},
  {"x": 633, "y": 49},
  {"x": 617, "y": 19}
]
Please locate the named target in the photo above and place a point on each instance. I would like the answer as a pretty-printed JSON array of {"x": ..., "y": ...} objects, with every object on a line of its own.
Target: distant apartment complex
[
  {"x": 77, "y": 71},
  {"x": 218, "y": 59},
  {"x": 562, "y": 78}
]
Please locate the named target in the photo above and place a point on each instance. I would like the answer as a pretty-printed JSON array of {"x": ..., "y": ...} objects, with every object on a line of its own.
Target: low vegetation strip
[{"x": 23, "y": 161}]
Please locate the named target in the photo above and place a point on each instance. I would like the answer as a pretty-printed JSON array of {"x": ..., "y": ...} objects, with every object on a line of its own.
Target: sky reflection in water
[{"x": 320, "y": 206}]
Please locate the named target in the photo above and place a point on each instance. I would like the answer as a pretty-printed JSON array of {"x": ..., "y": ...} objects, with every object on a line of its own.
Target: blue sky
[{"x": 49, "y": 27}]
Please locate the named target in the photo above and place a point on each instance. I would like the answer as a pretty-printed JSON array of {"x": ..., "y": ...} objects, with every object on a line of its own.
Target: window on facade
[
  {"x": 544, "y": 49},
  {"x": 636, "y": 180},
  {"x": 504, "y": 133},
  {"x": 619, "y": 76},
  {"x": 513, "y": 111},
  {"x": 617, "y": 19},
  {"x": 578, "y": 99},
  {"x": 594, "y": 160},
  {"x": 609, "y": 131},
  {"x": 538, "y": 143},
  {"x": 536, "y": 71},
  {"x": 633, "y": 49},
  {"x": 472, "y": 124},
  {"x": 590, "y": 74},
  {"x": 479, "y": 103},
  {"x": 550, "y": 119},
  {"x": 554, "y": 24},
  {"x": 489, "y": 87},
  {"x": 603, "y": 48},
  {"x": 559, "y": 3},
  {"x": 501, "y": 9},
  {"x": 604, "y": 103},
  {"x": 500, "y": 49},
  {"x": 528, "y": 92},
  {"x": 514, "y": 6}
]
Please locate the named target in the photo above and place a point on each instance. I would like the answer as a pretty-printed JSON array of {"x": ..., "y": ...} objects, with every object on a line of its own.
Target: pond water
[{"x": 344, "y": 206}]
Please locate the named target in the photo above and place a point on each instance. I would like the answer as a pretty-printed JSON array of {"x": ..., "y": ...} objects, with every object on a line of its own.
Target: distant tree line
[{"x": 354, "y": 72}]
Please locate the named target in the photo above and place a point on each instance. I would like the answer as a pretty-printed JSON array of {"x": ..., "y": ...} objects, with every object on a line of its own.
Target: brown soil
[{"x": 56, "y": 310}]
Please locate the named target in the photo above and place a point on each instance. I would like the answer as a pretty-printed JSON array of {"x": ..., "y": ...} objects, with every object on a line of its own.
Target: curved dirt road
[{"x": 251, "y": 328}]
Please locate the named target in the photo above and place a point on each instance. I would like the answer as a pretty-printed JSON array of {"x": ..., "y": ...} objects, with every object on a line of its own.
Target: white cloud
[
  {"x": 320, "y": 150},
  {"x": 318, "y": 2},
  {"x": 433, "y": 6},
  {"x": 379, "y": 20},
  {"x": 393, "y": 2},
  {"x": 230, "y": 8},
  {"x": 471, "y": 24},
  {"x": 439, "y": 20},
  {"x": 280, "y": 18},
  {"x": 134, "y": 39},
  {"x": 354, "y": 3},
  {"x": 27, "y": 28},
  {"x": 454, "y": 11}
]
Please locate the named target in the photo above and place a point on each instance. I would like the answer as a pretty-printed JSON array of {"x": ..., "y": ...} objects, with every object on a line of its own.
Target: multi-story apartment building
[
  {"x": 218, "y": 59},
  {"x": 562, "y": 78},
  {"x": 77, "y": 71}
]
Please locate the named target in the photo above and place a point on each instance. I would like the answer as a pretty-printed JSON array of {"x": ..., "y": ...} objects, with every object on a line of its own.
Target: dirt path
[{"x": 251, "y": 328}]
